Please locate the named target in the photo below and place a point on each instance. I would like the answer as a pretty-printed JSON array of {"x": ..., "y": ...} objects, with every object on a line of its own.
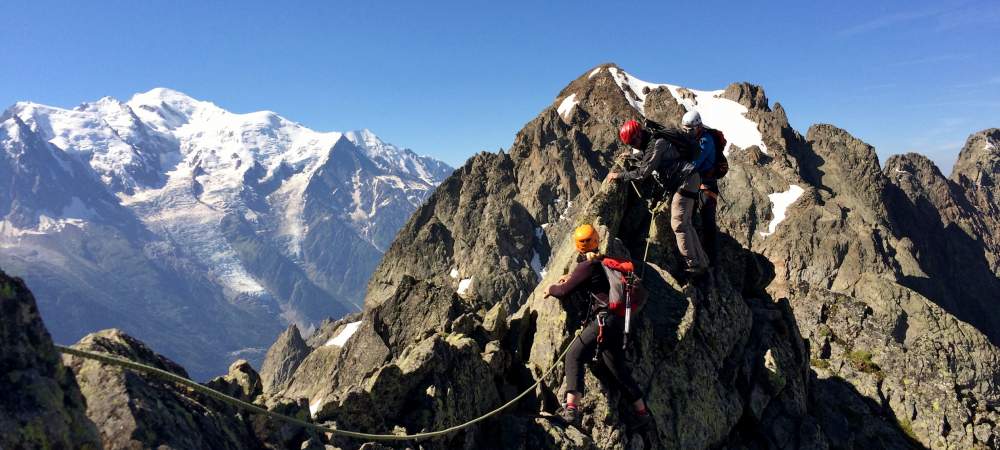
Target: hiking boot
[
  {"x": 570, "y": 415},
  {"x": 696, "y": 271},
  {"x": 694, "y": 275},
  {"x": 639, "y": 421}
]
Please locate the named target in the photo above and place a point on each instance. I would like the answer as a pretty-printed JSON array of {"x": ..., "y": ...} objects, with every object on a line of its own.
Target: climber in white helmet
[{"x": 711, "y": 165}]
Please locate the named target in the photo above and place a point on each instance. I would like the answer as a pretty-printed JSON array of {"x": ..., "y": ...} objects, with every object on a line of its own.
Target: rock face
[
  {"x": 219, "y": 228},
  {"x": 835, "y": 320},
  {"x": 889, "y": 273},
  {"x": 40, "y": 403},
  {"x": 134, "y": 410},
  {"x": 976, "y": 172},
  {"x": 282, "y": 359},
  {"x": 242, "y": 382}
]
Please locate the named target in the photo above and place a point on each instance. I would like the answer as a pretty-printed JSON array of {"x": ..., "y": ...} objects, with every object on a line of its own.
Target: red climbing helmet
[{"x": 630, "y": 133}]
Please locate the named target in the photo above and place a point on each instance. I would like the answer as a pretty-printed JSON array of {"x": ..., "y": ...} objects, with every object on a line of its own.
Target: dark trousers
[
  {"x": 611, "y": 358},
  {"x": 709, "y": 227}
]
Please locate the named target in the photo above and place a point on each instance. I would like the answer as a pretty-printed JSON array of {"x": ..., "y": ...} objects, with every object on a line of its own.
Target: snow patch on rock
[
  {"x": 46, "y": 225},
  {"x": 344, "y": 335},
  {"x": 567, "y": 106},
  {"x": 314, "y": 407},
  {"x": 536, "y": 264},
  {"x": 464, "y": 287},
  {"x": 565, "y": 214},
  {"x": 594, "y": 72},
  {"x": 780, "y": 201}
]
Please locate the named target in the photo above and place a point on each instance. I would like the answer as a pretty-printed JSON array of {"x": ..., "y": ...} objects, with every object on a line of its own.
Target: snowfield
[{"x": 716, "y": 112}]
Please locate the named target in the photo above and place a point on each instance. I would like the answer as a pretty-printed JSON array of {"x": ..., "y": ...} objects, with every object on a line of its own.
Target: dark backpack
[
  {"x": 686, "y": 146},
  {"x": 721, "y": 167},
  {"x": 672, "y": 173}
]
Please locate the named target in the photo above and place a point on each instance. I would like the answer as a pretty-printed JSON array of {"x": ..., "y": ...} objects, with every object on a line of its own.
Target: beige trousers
[{"x": 681, "y": 210}]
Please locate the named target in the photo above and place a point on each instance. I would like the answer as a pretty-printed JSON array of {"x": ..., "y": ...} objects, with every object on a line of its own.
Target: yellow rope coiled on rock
[{"x": 177, "y": 379}]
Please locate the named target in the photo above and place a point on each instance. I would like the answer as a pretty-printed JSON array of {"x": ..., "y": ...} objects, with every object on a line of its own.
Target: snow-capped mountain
[{"x": 195, "y": 227}]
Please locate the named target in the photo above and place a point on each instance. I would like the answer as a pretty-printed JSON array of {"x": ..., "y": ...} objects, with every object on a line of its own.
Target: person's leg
[
  {"x": 614, "y": 360},
  {"x": 681, "y": 210},
  {"x": 580, "y": 350},
  {"x": 709, "y": 226}
]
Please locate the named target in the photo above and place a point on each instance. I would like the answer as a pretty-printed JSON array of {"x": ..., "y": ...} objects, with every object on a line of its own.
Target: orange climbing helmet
[{"x": 586, "y": 239}]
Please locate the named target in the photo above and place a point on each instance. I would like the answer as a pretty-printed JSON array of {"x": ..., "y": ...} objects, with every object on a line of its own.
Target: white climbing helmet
[{"x": 691, "y": 119}]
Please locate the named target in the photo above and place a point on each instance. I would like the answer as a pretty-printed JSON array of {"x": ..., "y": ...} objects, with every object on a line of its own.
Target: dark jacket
[
  {"x": 588, "y": 278},
  {"x": 667, "y": 146}
]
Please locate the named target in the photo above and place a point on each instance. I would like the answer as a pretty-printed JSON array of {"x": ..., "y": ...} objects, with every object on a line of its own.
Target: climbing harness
[
  {"x": 601, "y": 321},
  {"x": 177, "y": 379}
]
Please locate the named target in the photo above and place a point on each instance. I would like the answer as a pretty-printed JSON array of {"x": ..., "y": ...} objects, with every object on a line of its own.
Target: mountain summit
[{"x": 193, "y": 227}]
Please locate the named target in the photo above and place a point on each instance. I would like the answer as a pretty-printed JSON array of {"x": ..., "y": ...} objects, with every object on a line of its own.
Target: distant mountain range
[{"x": 202, "y": 231}]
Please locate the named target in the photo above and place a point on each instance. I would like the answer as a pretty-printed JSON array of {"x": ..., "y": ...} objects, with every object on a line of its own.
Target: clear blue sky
[{"x": 451, "y": 78}]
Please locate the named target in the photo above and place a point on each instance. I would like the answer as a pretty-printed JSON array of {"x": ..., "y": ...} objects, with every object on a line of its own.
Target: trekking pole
[
  {"x": 645, "y": 253},
  {"x": 628, "y": 318},
  {"x": 636, "y": 189}
]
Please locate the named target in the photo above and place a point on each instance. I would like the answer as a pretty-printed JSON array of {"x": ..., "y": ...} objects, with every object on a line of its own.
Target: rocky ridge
[
  {"x": 828, "y": 325},
  {"x": 845, "y": 255}
]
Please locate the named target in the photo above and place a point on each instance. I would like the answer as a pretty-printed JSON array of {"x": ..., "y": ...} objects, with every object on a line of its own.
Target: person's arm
[
  {"x": 706, "y": 147},
  {"x": 650, "y": 161},
  {"x": 579, "y": 275}
]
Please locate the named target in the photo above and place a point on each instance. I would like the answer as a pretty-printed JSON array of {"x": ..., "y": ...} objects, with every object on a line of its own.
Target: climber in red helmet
[{"x": 670, "y": 157}]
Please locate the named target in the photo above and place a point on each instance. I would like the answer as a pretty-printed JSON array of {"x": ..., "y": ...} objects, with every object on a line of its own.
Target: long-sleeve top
[
  {"x": 651, "y": 159},
  {"x": 706, "y": 157},
  {"x": 587, "y": 276},
  {"x": 669, "y": 144}
]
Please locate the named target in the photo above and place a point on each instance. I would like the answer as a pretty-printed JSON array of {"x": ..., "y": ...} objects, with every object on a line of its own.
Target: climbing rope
[{"x": 177, "y": 379}]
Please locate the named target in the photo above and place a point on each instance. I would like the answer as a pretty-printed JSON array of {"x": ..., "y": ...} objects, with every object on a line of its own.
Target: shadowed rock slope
[{"x": 40, "y": 403}]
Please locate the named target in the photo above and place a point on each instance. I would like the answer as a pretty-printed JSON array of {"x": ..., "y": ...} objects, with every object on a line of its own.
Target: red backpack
[
  {"x": 626, "y": 294},
  {"x": 626, "y": 288}
]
